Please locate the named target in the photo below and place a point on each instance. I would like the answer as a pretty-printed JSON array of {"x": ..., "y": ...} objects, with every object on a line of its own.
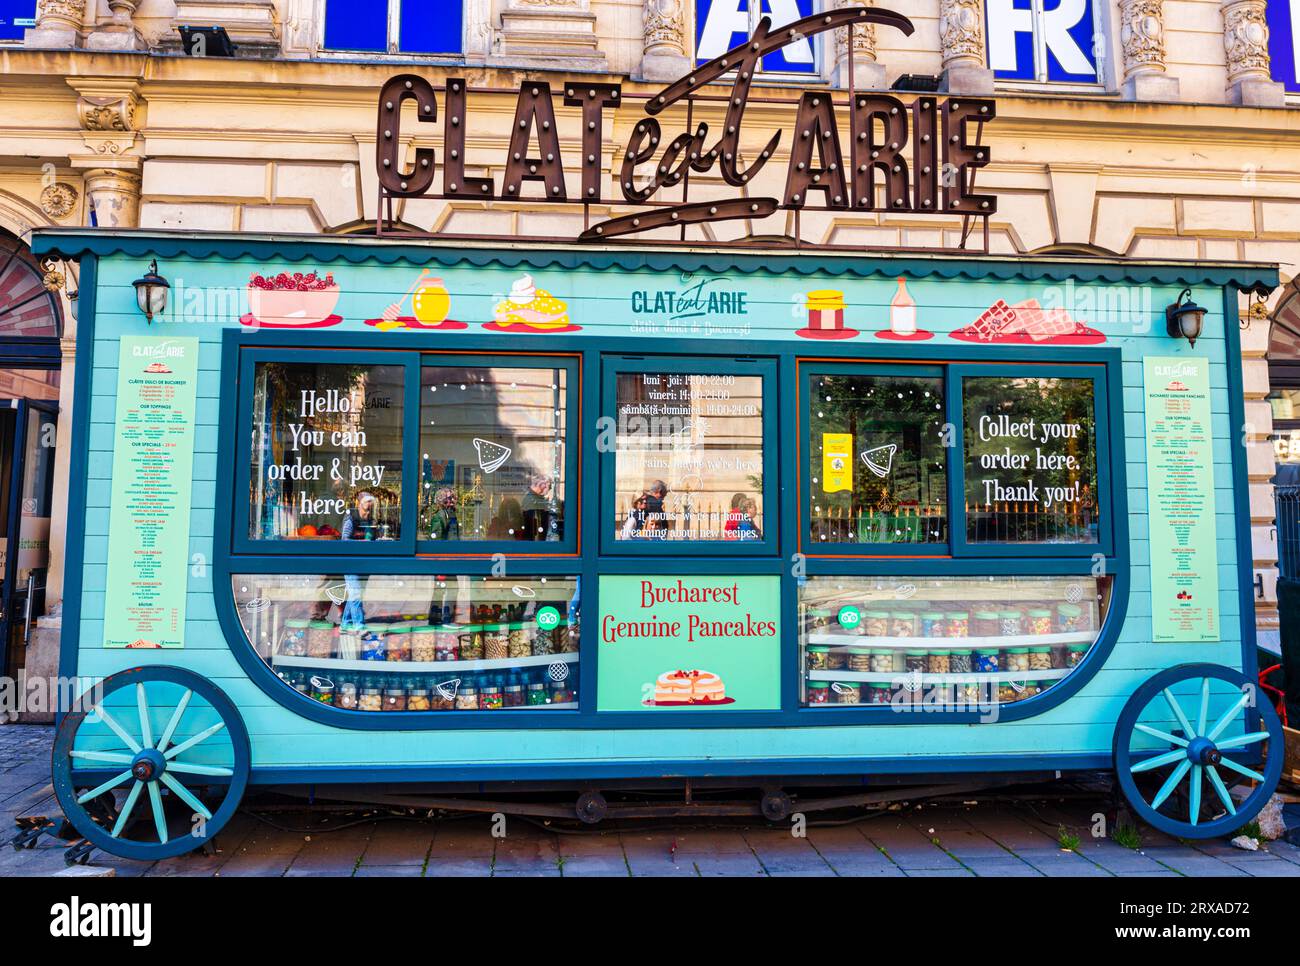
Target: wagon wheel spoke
[
  {"x": 1241, "y": 741},
  {"x": 170, "y": 730},
  {"x": 1228, "y": 715},
  {"x": 1205, "y": 706},
  {"x": 159, "y": 819},
  {"x": 187, "y": 769},
  {"x": 142, "y": 706},
  {"x": 1162, "y": 735},
  {"x": 1159, "y": 761},
  {"x": 203, "y": 735},
  {"x": 110, "y": 784},
  {"x": 1171, "y": 783},
  {"x": 1221, "y": 790},
  {"x": 108, "y": 757},
  {"x": 1177, "y": 709},
  {"x": 1194, "y": 800},
  {"x": 1241, "y": 769},
  {"x": 117, "y": 729},
  {"x": 184, "y": 795},
  {"x": 127, "y": 807}
]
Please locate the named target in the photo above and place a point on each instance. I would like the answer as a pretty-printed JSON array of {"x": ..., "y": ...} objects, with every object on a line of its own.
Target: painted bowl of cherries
[{"x": 292, "y": 300}]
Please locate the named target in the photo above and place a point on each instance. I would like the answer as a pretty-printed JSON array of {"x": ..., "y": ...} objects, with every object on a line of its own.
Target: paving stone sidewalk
[{"x": 988, "y": 839}]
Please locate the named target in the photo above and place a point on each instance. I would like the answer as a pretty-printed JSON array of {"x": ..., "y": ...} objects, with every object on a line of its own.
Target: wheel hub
[
  {"x": 1203, "y": 751},
  {"x": 148, "y": 765}
]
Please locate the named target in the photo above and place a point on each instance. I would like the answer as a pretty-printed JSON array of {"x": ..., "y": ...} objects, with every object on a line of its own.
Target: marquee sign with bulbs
[{"x": 919, "y": 157}]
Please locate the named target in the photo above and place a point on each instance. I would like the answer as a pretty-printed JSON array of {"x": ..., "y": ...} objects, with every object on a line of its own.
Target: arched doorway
[{"x": 31, "y": 324}]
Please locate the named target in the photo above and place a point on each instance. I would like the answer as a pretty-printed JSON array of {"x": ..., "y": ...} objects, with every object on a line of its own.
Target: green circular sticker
[
  {"x": 548, "y": 618},
  {"x": 849, "y": 616}
]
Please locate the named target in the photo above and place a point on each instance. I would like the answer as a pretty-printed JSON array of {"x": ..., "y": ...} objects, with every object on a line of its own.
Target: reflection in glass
[
  {"x": 326, "y": 460},
  {"x": 385, "y": 642},
  {"x": 876, "y": 460},
  {"x": 1031, "y": 460},
  {"x": 964, "y": 642},
  {"x": 689, "y": 457},
  {"x": 492, "y": 453}
]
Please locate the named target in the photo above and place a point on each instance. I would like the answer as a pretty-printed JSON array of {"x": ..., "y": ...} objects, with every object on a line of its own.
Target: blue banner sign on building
[
  {"x": 1284, "y": 42},
  {"x": 723, "y": 24},
  {"x": 1043, "y": 40},
  {"x": 15, "y": 17}
]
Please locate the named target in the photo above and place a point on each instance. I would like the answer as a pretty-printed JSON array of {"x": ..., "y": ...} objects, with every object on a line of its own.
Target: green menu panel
[
  {"x": 149, "y": 515},
  {"x": 1180, "y": 500}
]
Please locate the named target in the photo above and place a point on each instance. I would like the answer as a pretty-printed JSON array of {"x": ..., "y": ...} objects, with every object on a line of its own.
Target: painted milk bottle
[{"x": 902, "y": 312}]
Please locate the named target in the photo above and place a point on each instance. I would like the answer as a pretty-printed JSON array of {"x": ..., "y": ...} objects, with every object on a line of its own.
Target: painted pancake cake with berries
[{"x": 681, "y": 688}]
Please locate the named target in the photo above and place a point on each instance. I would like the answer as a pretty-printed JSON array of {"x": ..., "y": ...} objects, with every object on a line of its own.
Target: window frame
[
  {"x": 1103, "y": 457},
  {"x": 393, "y": 35},
  {"x": 808, "y": 369},
  {"x": 614, "y": 364},
  {"x": 571, "y": 362},
  {"x": 249, "y": 358},
  {"x": 816, "y": 74},
  {"x": 1040, "y": 78}
]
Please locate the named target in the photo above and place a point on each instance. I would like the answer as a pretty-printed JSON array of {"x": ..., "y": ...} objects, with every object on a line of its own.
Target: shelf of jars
[
  {"x": 421, "y": 667},
  {"x": 926, "y": 678},
  {"x": 999, "y": 642}
]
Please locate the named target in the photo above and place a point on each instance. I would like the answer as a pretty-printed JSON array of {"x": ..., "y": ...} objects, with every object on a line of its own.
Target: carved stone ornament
[
  {"x": 961, "y": 31},
  {"x": 71, "y": 12},
  {"x": 1142, "y": 36},
  {"x": 108, "y": 114},
  {"x": 664, "y": 23},
  {"x": 864, "y": 36},
  {"x": 1245, "y": 39},
  {"x": 58, "y": 200}
]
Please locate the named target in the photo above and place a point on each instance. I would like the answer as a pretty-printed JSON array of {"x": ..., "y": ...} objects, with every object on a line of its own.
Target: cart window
[
  {"x": 1030, "y": 460},
  {"x": 417, "y": 643},
  {"x": 688, "y": 458},
  {"x": 326, "y": 458},
  {"x": 492, "y": 453},
  {"x": 962, "y": 643},
  {"x": 876, "y": 472}
]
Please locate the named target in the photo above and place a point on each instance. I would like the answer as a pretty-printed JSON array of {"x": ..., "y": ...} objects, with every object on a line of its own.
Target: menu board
[
  {"x": 149, "y": 512},
  {"x": 668, "y": 643},
  {"x": 1180, "y": 500}
]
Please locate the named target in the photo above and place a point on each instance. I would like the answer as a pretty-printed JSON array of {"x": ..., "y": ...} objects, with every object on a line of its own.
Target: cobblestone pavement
[{"x": 989, "y": 839}]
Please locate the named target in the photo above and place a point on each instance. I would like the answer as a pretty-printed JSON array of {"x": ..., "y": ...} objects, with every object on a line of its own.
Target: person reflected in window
[
  {"x": 540, "y": 515},
  {"x": 359, "y": 522},
  {"x": 508, "y": 524},
  {"x": 444, "y": 524},
  {"x": 656, "y": 518}
]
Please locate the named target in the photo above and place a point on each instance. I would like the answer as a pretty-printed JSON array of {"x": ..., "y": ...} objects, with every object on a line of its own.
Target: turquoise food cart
[{"x": 367, "y": 512}]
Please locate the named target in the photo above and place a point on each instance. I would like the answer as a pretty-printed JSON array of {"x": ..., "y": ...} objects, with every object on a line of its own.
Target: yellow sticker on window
[{"x": 837, "y": 462}]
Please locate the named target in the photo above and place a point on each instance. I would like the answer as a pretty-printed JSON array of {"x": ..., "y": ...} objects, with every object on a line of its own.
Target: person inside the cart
[{"x": 358, "y": 524}]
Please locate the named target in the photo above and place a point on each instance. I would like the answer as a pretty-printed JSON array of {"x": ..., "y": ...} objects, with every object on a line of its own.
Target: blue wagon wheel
[
  {"x": 147, "y": 739},
  {"x": 1184, "y": 738}
]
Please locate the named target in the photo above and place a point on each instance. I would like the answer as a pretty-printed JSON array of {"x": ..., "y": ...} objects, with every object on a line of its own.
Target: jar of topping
[
  {"x": 846, "y": 692},
  {"x": 520, "y": 640},
  {"x": 932, "y": 624},
  {"x": 1069, "y": 619},
  {"x": 293, "y": 642},
  {"x": 469, "y": 644},
  {"x": 903, "y": 624},
  {"x": 1040, "y": 657},
  {"x": 914, "y": 661},
  {"x": 562, "y": 693},
  {"x": 875, "y": 623},
  {"x": 818, "y": 657},
  {"x": 819, "y": 692},
  {"x": 860, "y": 658},
  {"x": 370, "y": 698},
  {"x": 567, "y": 637},
  {"x": 418, "y": 698},
  {"x": 398, "y": 641},
  {"x": 1038, "y": 621},
  {"x": 322, "y": 690},
  {"x": 1016, "y": 659},
  {"x": 446, "y": 644},
  {"x": 320, "y": 639},
  {"x": 394, "y": 697},
  {"x": 878, "y": 693},
  {"x": 987, "y": 660},
  {"x": 938, "y": 662},
  {"x": 424, "y": 643},
  {"x": 838, "y": 658},
  {"x": 1032, "y": 688},
  {"x": 373, "y": 646},
  {"x": 882, "y": 660},
  {"x": 543, "y": 641},
  {"x": 969, "y": 693},
  {"x": 1074, "y": 654},
  {"x": 535, "y": 694},
  {"x": 513, "y": 695},
  {"x": 496, "y": 643},
  {"x": 443, "y": 696},
  {"x": 491, "y": 698},
  {"x": 1009, "y": 623},
  {"x": 956, "y": 624},
  {"x": 346, "y": 696},
  {"x": 466, "y": 699},
  {"x": 818, "y": 619},
  {"x": 959, "y": 662},
  {"x": 985, "y": 623},
  {"x": 1008, "y": 693}
]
